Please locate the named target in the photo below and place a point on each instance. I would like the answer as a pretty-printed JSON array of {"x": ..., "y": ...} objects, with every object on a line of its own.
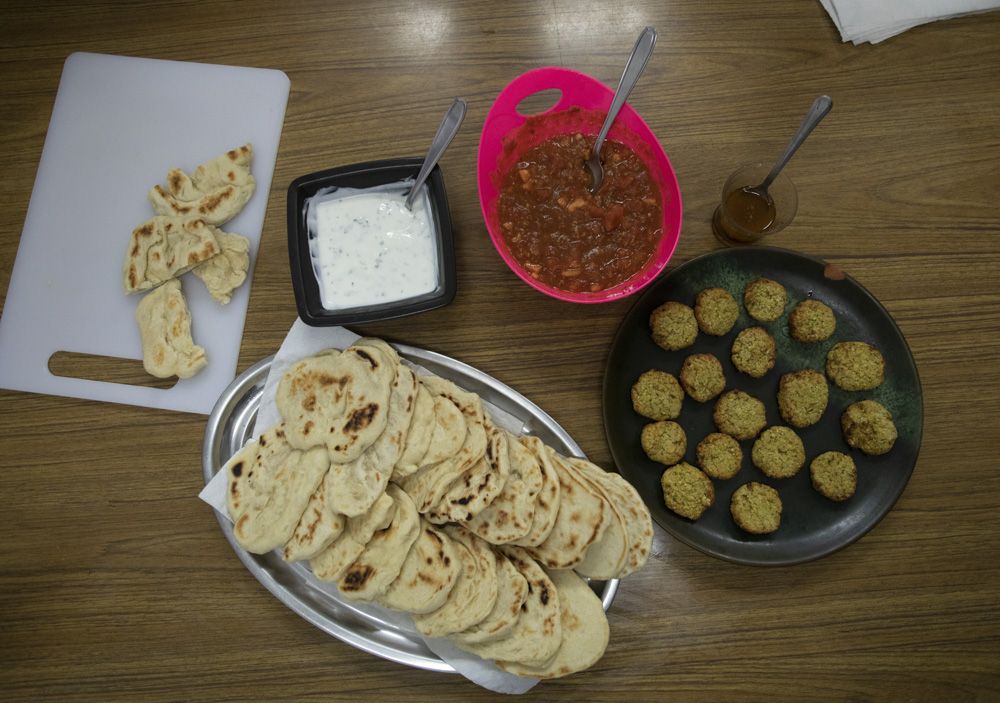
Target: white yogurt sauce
[{"x": 368, "y": 249}]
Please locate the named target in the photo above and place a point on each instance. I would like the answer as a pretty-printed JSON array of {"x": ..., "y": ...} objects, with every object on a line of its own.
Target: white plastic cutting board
[{"x": 118, "y": 125}]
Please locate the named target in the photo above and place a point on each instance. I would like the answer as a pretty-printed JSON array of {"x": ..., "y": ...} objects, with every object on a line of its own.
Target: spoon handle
[
  {"x": 633, "y": 69},
  {"x": 820, "y": 107},
  {"x": 446, "y": 132}
]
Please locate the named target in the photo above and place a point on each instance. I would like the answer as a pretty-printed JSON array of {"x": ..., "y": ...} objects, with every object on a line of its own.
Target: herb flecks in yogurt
[{"x": 368, "y": 249}]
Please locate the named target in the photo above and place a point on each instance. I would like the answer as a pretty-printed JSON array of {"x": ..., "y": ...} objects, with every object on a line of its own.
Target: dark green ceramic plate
[{"x": 811, "y": 525}]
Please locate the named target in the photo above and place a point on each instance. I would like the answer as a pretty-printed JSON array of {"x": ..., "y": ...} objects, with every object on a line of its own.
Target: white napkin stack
[{"x": 873, "y": 21}]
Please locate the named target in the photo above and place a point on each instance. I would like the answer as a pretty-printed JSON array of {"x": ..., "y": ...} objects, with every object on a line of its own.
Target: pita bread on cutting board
[
  {"x": 224, "y": 273},
  {"x": 163, "y": 248},
  {"x": 215, "y": 192},
  {"x": 165, "y": 329}
]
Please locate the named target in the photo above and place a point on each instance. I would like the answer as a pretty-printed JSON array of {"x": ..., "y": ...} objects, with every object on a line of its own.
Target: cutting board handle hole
[{"x": 108, "y": 369}]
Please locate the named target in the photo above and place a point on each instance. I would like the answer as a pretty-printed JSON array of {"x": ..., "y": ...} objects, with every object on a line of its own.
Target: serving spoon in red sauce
[{"x": 641, "y": 52}]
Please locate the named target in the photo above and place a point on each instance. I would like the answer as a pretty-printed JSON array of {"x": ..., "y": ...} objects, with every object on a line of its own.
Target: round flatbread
[
  {"x": 510, "y": 515},
  {"x": 382, "y": 559},
  {"x": 447, "y": 434},
  {"x": 354, "y": 486},
  {"x": 638, "y": 523},
  {"x": 428, "y": 485},
  {"x": 475, "y": 593},
  {"x": 546, "y": 506},
  {"x": 537, "y": 634},
  {"x": 478, "y": 487},
  {"x": 429, "y": 572},
  {"x": 512, "y": 591},
  {"x": 607, "y": 557},
  {"x": 330, "y": 564},
  {"x": 583, "y": 517},
  {"x": 317, "y": 528},
  {"x": 270, "y": 484},
  {"x": 585, "y": 631},
  {"x": 340, "y": 401},
  {"x": 418, "y": 437}
]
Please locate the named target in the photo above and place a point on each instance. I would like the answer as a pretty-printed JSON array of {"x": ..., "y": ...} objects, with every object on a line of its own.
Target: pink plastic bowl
[{"x": 507, "y": 134}]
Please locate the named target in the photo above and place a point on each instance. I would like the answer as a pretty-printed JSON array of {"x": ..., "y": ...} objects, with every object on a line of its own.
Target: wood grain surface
[{"x": 115, "y": 581}]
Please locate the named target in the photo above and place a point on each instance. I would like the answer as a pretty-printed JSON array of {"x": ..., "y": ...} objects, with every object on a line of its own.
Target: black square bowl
[{"x": 366, "y": 175}]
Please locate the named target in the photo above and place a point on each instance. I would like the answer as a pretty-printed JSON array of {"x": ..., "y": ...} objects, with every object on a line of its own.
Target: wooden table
[{"x": 115, "y": 582}]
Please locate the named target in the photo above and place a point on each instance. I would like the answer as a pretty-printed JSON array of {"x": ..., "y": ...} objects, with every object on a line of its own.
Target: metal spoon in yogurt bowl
[
  {"x": 634, "y": 67},
  {"x": 446, "y": 132}
]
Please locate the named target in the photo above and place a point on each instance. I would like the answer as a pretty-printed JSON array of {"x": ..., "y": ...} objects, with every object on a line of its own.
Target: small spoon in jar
[
  {"x": 820, "y": 108},
  {"x": 630, "y": 76},
  {"x": 450, "y": 123}
]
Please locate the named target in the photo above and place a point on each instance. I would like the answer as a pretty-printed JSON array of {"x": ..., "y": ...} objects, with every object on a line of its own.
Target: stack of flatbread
[
  {"x": 185, "y": 236},
  {"x": 401, "y": 490}
]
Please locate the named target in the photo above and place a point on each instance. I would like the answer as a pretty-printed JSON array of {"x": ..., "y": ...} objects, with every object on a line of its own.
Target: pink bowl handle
[{"x": 576, "y": 88}]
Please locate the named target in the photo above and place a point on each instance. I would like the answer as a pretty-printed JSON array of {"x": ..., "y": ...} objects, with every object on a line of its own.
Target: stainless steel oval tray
[{"x": 229, "y": 428}]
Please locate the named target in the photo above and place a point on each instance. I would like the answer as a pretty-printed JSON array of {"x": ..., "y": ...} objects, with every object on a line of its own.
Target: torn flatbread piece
[
  {"x": 165, "y": 329},
  {"x": 163, "y": 248},
  {"x": 226, "y": 272},
  {"x": 215, "y": 192}
]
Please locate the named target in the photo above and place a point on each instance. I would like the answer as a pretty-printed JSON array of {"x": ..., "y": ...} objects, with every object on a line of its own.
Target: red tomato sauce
[{"x": 569, "y": 238}]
